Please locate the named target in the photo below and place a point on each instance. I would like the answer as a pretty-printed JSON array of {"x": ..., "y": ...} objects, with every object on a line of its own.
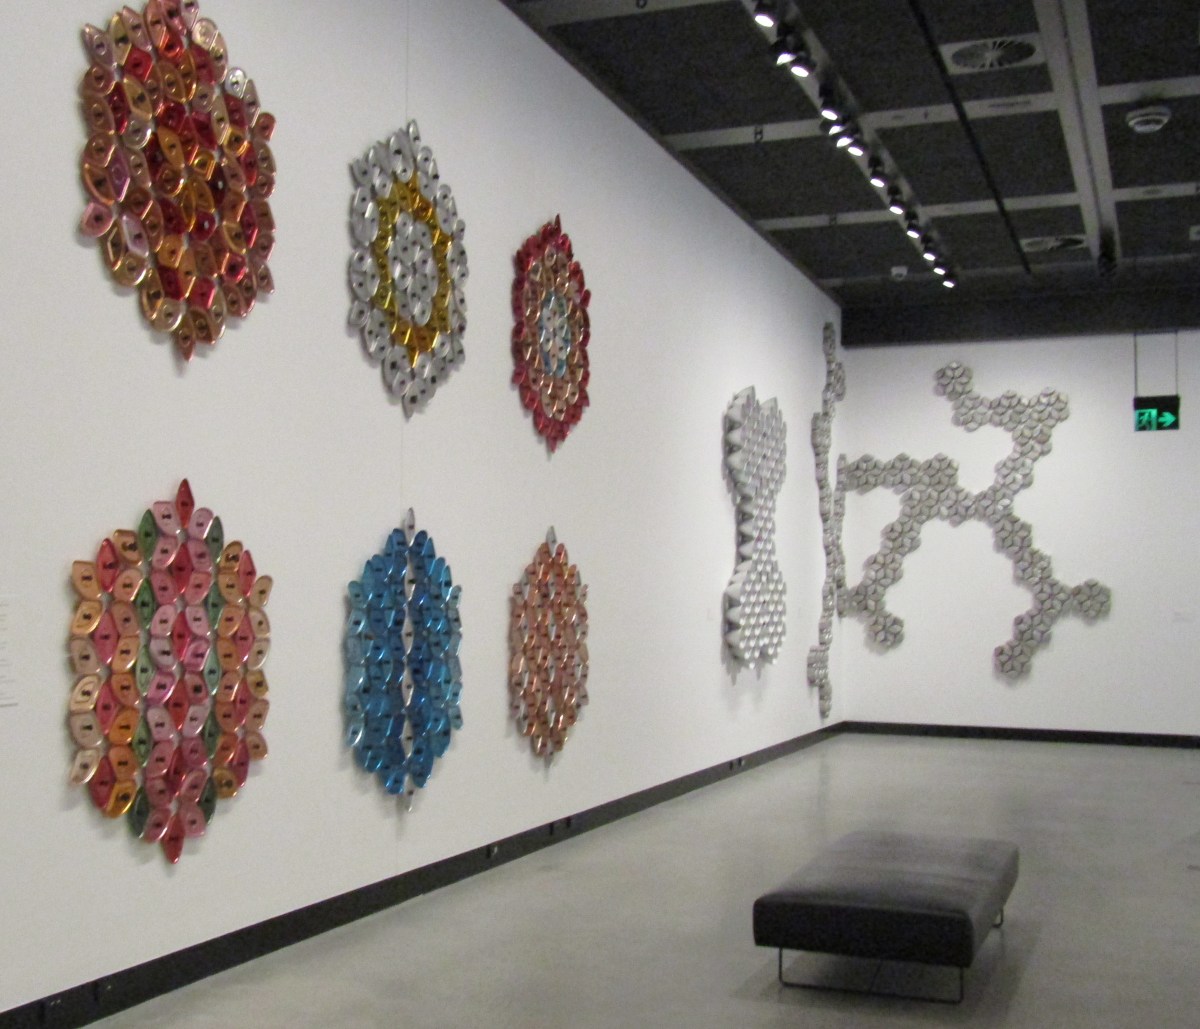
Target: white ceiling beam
[
  {"x": 1150, "y": 92},
  {"x": 903, "y": 117},
  {"x": 745, "y": 135},
  {"x": 1067, "y": 40}
]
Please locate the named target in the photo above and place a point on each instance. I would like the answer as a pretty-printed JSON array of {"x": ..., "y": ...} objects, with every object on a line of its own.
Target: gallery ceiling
[{"x": 1046, "y": 151}]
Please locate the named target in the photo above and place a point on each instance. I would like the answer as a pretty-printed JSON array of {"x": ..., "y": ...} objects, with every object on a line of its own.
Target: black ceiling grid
[
  {"x": 689, "y": 68},
  {"x": 1077, "y": 184}
]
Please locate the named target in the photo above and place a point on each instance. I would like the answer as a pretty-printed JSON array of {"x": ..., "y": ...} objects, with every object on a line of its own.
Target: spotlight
[
  {"x": 912, "y": 227},
  {"x": 948, "y": 282},
  {"x": 895, "y": 201},
  {"x": 764, "y": 14},
  {"x": 928, "y": 250},
  {"x": 802, "y": 67},
  {"x": 939, "y": 269},
  {"x": 784, "y": 47},
  {"x": 845, "y": 137},
  {"x": 829, "y": 107},
  {"x": 856, "y": 147},
  {"x": 835, "y": 127},
  {"x": 878, "y": 178}
]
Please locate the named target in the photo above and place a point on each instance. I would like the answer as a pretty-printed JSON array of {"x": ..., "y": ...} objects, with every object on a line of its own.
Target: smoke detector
[
  {"x": 992, "y": 54},
  {"x": 1144, "y": 120}
]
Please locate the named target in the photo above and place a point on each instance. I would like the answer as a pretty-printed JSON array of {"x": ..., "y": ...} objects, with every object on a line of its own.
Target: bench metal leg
[{"x": 870, "y": 990}]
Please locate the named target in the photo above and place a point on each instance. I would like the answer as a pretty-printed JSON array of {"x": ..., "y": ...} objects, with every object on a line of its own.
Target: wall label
[{"x": 1155, "y": 414}]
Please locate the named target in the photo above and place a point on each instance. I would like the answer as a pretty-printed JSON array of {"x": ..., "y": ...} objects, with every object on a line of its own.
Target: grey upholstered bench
[{"x": 892, "y": 897}]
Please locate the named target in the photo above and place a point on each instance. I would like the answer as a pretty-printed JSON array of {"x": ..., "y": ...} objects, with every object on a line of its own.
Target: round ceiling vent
[
  {"x": 1144, "y": 120},
  {"x": 1052, "y": 244},
  {"x": 987, "y": 54}
]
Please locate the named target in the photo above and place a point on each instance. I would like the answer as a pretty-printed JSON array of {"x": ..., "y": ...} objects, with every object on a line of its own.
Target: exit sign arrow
[{"x": 1156, "y": 414}]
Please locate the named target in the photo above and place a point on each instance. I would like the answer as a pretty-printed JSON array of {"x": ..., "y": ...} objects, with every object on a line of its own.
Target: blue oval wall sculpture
[{"x": 403, "y": 676}]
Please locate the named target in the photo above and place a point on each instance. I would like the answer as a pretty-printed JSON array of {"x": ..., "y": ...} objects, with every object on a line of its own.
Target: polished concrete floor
[{"x": 646, "y": 922}]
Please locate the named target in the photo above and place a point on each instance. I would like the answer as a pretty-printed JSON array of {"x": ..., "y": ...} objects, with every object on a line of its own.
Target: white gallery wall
[
  {"x": 287, "y": 433},
  {"x": 1106, "y": 503}
]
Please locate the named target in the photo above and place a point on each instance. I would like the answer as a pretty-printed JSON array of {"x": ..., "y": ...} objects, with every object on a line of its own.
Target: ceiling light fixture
[
  {"x": 829, "y": 107},
  {"x": 948, "y": 282},
  {"x": 784, "y": 48},
  {"x": 856, "y": 148},
  {"x": 939, "y": 269},
  {"x": 928, "y": 251},
  {"x": 912, "y": 227},
  {"x": 878, "y": 178},
  {"x": 764, "y": 14},
  {"x": 803, "y": 66},
  {"x": 896, "y": 201}
]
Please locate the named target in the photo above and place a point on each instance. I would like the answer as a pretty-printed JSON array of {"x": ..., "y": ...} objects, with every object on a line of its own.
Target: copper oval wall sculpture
[{"x": 548, "y": 669}]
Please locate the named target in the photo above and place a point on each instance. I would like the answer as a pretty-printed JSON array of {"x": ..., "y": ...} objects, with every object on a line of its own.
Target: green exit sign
[{"x": 1155, "y": 414}]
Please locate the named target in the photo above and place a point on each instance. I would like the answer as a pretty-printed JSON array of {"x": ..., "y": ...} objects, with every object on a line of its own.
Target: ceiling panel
[
  {"x": 688, "y": 69},
  {"x": 1048, "y": 222},
  {"x": 843, "y": 251},
  {"x": 978, "y": 241},
  {"x": 1155, "y": 158},
  {"x": 953, "y": 21},
  {"x": 1026, "y": 153},
  {"x": 878, "y": 50},
  {"x": 1155, "y": 227},
  {"x": 786, "y": 178},
  {"x": 883, "y": 56},
  {"x": 938, "y": 162},
  {"x": 1142, "y": 40}
]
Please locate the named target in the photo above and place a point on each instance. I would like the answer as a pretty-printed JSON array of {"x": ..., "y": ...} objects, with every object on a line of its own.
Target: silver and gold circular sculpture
[
  {"x": 755, "y": 457},
  {"x": 408, "y": 268}
]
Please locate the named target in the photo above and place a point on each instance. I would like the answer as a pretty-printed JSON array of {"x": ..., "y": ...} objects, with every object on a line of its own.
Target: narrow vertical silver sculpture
[
  {"x": 755, "y": 456},
  {"x": 831, "y": 501}
]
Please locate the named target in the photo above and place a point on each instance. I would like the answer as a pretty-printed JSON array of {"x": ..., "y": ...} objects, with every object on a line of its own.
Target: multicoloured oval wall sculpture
[
  {"x": 167, "y": 643},
  {"x": 551, "y": 334},
  {"x": 403, "y": 675},
  {"x": 177, "y": 169}
]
